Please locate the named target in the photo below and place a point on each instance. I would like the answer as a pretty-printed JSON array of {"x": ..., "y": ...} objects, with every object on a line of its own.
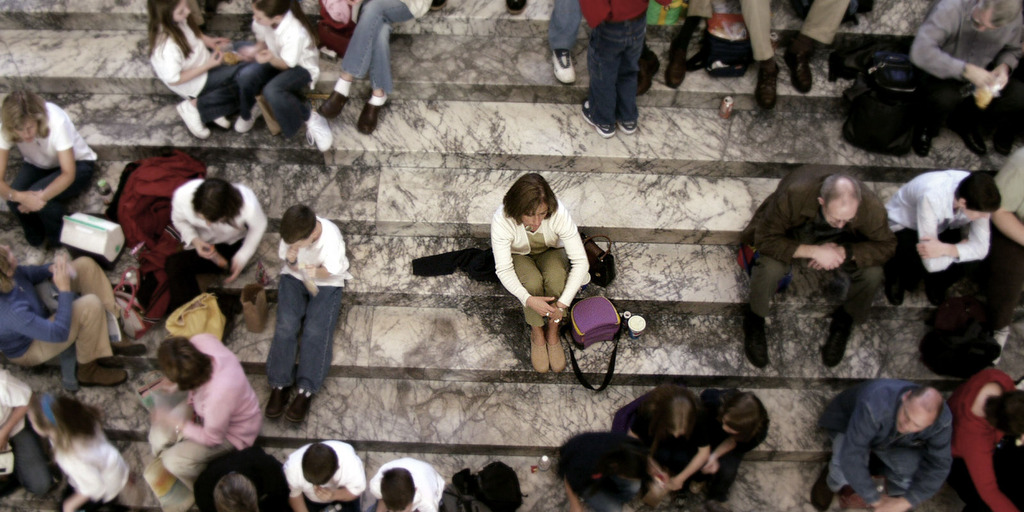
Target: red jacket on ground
[{"x": 600, "y": 11}]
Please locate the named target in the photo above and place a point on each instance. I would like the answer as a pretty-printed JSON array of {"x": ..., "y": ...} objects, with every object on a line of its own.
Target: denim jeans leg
[
  {"x": 603, "y": 63},
  {"x": 31, "y": 224},
  {"x": 286, "y": 94},
  {"x": 219, "y": 97},
  {"x": 369, "y": 49},
  {"x": 900, "y": 466},
  {"x": 51, "y": 216},
  {"x": 836, "y": 477},
  {"x": 564, "y": 25},
  {"x": 31, "y": 464},
  {"x": 380, "y": 61},
  {"x": 629, "y": 66},
  {"x": 292, "y": 298},
  {"x": 317, "y": 347},
  {"x": 251, "y": 79},
  {"x": 69, "y": 368}
]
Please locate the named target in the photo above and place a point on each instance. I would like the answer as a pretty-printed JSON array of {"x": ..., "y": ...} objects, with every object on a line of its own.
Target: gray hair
[
  {"x": 1003, "y": 11},
  {"x": 831, "y": 188}
]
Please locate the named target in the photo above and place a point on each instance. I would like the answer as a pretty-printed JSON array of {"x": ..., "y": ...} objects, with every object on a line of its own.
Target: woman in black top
[
  {"x": 736, "y": 422},
  {"x": 605, "y": 470},
  {"x": 241, "y": 479}
]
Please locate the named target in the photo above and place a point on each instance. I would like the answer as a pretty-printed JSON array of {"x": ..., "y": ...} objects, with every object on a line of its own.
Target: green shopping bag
[{"x": 658, "y": 14}]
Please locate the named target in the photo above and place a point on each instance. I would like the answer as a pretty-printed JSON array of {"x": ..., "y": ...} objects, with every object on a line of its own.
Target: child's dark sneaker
[
  {"x": 606, "y": 130},
  {"x": 628, "y": 127}
]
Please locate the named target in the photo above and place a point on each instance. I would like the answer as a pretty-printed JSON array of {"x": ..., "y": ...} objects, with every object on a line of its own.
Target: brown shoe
[
  {"x": 268, "y": 115},
  {"x": 821, "y": 495},
  {"x": 850, "y": 499},
  {"x": 332, "y": 107},
  {"x": 299, "y": 408},
  {"x": 649, "y": 65},
  {"x": 767, "y": 78},
  {"x": 278, "y": 399},
  {"x": 556, "y": 357},
  {"x": 538, "y": 352},
  {"x": 368, "y": 119},
  {"x": 799, "y": 69},
  {"x": 675, "y": 72},
  {"x": 92, "y": 374}
]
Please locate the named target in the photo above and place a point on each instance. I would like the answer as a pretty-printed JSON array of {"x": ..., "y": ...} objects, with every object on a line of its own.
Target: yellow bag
[{"x": 200, "y": 315}]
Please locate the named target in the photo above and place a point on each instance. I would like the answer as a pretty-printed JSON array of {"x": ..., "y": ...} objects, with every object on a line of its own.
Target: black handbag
[{"x": 602, "y": 261}]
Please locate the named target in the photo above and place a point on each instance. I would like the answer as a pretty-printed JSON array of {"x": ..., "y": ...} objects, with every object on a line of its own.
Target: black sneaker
[
  {"x": 894, "y": 291},
  {"x": 838, "y": 334},
  {"x": 821, "y": 495},
  {"x": 515, "y": 6},
  {"x": 755, "y": 343}
]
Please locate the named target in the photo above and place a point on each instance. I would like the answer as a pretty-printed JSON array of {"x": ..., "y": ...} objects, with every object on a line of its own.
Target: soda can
[
  {"x": 774, "y": 38},
  {"x": 725, "y": 110},
  {"x": 626, "y": 315}
]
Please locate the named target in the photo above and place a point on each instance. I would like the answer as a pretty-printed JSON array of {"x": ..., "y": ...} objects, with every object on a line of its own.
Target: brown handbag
[{"x": 602, "y": 261}]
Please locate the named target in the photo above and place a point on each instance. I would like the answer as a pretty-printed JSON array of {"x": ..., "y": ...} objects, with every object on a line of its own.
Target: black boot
[
  {"x": 838, "y": 334},
  {"x": 755, "y": 343}
]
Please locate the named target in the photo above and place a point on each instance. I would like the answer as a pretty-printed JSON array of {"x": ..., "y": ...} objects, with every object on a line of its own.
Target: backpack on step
[
  {"x": 881, "y": 116},
  {"x": 959, "y": 345},
  {"x": 496, "y": 486},
  {"x": 725, "y": 50}
]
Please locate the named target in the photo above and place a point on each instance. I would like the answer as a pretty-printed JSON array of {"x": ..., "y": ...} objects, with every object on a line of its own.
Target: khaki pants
[
  {"x": 864, "y": 285},
  {"x": 821, "y": 24},
  {"x": 542, "y": 275},
  {"x": 88, "y": 319},
  {"x": 187, "y": 459}
]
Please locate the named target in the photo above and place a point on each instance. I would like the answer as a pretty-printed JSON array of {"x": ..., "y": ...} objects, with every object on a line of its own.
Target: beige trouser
[
  {"x": 187, "y": 459},
  {"x": 88, "y": 319},
  {"x": 542, "y": 275},
  {"x": 821, "y": 24}
]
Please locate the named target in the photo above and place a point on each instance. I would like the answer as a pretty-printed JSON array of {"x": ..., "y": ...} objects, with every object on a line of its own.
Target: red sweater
[
  {"x": 974, "y": 439},
  {"x": 600, "y": 11}
]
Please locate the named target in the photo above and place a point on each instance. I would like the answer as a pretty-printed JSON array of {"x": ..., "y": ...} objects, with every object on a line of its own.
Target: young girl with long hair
[
  {"x": 369, "y": 52},
  {"x": 94, "y": 467},
  {"x": 57, "y": 165},
  {"x": 181, "y": 56},
  {"x": 287, "y": 65},
  {"x": 736, "y": 422}
]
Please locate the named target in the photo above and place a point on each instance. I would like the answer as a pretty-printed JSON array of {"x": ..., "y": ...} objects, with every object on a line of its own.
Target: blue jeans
[
  {"x": 285, "y": 91},
  {"x": 370, "y": 47},
  {"x": 31, "y": 464},
  {"x": 316, "y": 317},
  {"x": 564, "y": 24},
  {"x": 900, "y": 465},
  {"x": 613, "y": 58},
  {"x": 219, "y": 97},
  {"x": 46, "y": 223},
  {"x": 604, "y": 500}
]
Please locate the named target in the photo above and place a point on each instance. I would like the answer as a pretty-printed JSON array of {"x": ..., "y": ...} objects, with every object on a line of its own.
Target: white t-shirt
[
  {"x": 250, "y": 223},
  {"x": 169, "y": 61},
  {"x": 13, "y": 393},
  {"x": 429, "y": 484},
  {"x": 42, "y": 152},
  {"x": 328, "y": 251},
  {"x": 350, "y": 473},
  {"x": 94, "y": 467},
  {"x": 291, "y": 42}
]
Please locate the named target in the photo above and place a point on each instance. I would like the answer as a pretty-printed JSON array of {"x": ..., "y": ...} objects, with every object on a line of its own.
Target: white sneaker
[
  {"x": 318, "y": 132},
  {"x": 222, "y": 122},
  {"x": 243, "y": 126},
  {"x": 562, "y": 62},
  {"x": 1000, "y": 336},
  {"x": 190, "y": 114}
]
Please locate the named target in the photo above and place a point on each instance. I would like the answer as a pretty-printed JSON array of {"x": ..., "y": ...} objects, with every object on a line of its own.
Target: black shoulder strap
[{"x": 576, "y": 367}]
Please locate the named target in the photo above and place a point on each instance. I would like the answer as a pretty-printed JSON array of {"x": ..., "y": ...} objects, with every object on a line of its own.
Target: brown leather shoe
[
  {"x": 332, "y": 107},
  {"x": 675, "y": 71},
  {"x": 299, "y": 408},
  {"x": 649, "y": 65},
  {"x": 368, "y": 118},
  {"x": 278, "y": 399},
  {"x": 799, "y": 70},
  {"x": 767, "y": 78},
  {"x": 92, "y": 374}
]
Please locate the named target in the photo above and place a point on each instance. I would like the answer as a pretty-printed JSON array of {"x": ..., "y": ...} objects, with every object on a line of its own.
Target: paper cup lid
[{"x": 637, "y": 323}]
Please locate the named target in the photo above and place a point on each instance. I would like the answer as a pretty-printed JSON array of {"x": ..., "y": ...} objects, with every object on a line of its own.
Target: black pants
[
  {"x": 183, "y": 267},
  {"x": 907, "y": 267},
  {"x": 940, "y": 100},
  {"x": 1005, "y": 278},
  {"x": 960, "y": 480},
  {"x": 720, "y": 482}
]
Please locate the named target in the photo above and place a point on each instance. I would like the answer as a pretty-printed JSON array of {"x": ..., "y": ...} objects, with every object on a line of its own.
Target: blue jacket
[
  {"x": 23, "y": 318},
  {"x": 867, "y": 413}
]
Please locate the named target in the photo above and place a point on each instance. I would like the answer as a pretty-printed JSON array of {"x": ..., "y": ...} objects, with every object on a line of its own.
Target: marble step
[
  {"x": 458, "y": 17},
  {"x": 520, "y": 136},
  {"x": 762, "y": 486},
  {"x": 509, "y": 69}
]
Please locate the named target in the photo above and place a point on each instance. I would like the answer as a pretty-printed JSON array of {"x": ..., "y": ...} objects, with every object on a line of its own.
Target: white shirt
[
  {"x": 291, "y": 42},
  {"x": 925, "y": 204},
  {"x": 169, "y": 61},
  {"x": 42, "y": 152},
  {"x": 429, "y": 484},
  {"x": 509, "y": 237},
  {"x": 350, "y": 473},
  {"x": 94, "y": 467},
  {"x": 250, "y": 223},
  {"x": 328, "y": 251},
  {"x": 13, "y": 394}
]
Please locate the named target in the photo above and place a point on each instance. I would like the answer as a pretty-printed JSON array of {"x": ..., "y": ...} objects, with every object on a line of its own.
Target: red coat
[{"x": 600, "y": 11}]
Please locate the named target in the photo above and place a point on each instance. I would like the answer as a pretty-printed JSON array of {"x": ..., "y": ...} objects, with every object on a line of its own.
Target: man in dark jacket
[
  {"x": 908, "y": 427},
  {"x": 833, "y": 222}
]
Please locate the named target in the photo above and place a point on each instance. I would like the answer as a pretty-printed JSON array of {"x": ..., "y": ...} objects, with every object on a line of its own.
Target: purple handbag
[{"x": 594, "y": 319}]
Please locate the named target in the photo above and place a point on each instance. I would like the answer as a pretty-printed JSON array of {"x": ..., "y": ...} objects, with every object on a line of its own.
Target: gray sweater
[{"x": 947, "y": 41}]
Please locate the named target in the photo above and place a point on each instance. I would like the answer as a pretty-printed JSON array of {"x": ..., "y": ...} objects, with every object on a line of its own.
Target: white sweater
[
  {"x": 509, "y": 237},
  {"x": 250, "y": 223}
]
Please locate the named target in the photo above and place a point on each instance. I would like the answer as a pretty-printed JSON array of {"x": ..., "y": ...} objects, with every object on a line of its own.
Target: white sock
[
  {"x": 378, "y": 101},
  {"x": 1000, "y": 336},
  {"x": 342, "y": 87}
]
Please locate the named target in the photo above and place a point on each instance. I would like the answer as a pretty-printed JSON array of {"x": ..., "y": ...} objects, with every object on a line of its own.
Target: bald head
[
  {"x": 920, "y": 408},
  {"x": 839, "y": 199}
]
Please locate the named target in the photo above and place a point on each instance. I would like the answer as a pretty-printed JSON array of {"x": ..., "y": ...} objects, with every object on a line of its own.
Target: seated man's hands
[
  {"x": 890, "y": 504},
  {"x": 827, "y": 257}
]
